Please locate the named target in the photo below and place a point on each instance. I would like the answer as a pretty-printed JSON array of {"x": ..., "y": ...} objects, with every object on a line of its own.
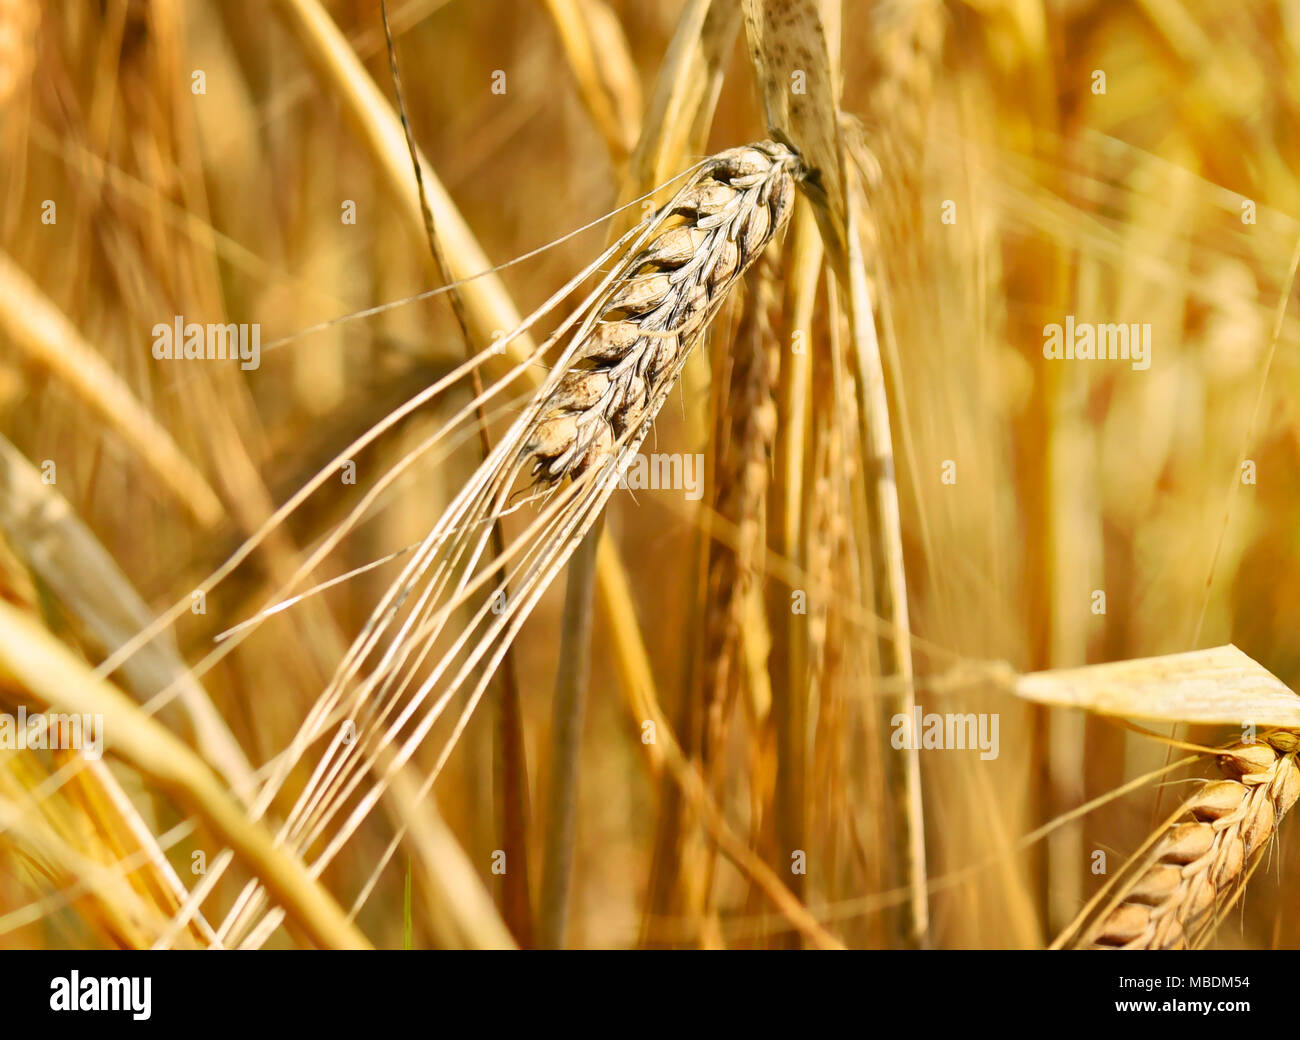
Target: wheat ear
[
  {"x": 745, "y": 429},
  {"x": 1198, "y": 864},
  {"x": 718, "y": 224},
  {"x": 631, "y": 337}
]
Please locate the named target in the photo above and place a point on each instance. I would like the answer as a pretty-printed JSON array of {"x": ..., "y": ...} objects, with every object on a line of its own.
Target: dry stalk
[
  {"x": 19, "y": 20},
  {"x": 1173, "y": 896},
  {"x": 64, "y": 553},
  {"x": 606, "y": 77},
  {"x": 47, "y": 338},
  {"x": 34, "y": 661}
]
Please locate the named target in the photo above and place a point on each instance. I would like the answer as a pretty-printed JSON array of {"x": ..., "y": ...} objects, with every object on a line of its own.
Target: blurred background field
[{"x": 1171, "y": 198}]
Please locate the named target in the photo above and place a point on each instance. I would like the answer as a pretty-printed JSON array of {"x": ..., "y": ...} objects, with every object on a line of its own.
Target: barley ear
[{"x": 1198, "y": 864}]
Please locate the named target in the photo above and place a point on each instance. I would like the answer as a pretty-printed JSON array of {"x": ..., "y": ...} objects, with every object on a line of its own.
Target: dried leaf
[
  {"x": 794, "y": 47},
  {"x": 1217, "y": 686}
]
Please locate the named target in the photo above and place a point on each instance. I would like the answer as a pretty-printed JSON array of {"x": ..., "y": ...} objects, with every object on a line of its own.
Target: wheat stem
[{"x": 567, "y": 712}]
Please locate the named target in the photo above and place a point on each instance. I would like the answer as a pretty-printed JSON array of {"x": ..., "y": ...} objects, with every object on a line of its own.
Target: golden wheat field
[{"x": 680, "y": 474}]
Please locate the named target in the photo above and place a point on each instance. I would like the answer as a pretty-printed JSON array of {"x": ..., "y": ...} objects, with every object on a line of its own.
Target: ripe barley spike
[
  {"x": 1198, "y": 865},
  {"x": 631, "y": 337},
  {"x": 661, "y": 303}
]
